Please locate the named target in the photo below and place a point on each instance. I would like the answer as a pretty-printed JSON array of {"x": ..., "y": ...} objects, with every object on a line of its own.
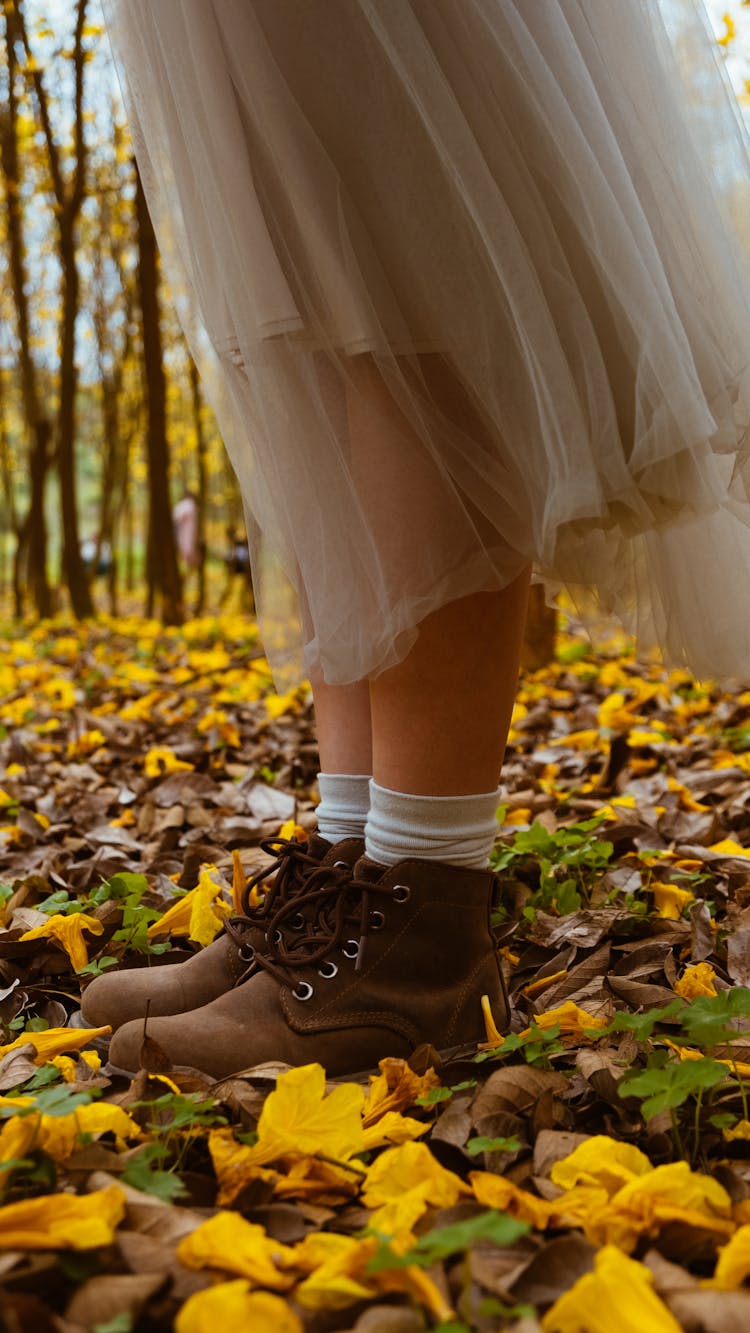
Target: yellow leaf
[
  {"x": 573, "y": 1021},
  {"x": 498, "y": 1192},
  {"x": 58, "y": 1134},
  {"x": 227, "y": 1242},
  {"x": 600, "y": 1161},
  {"x": 670, "y": 901},
  {"x": 18, "y": 1137},
  {"x": 160, "y": 760},
  {"x": 62, "y": 1221},
  {"x": 200, "y": 914},
  {"x": 395, "y": 1087},
  {"x": 403, "y": 1183},
  {"x": 730, "y": 31},
  {"x": 618, "y": 1297},
  {"x": 85, "y": 744},
  {"x": 732, "y": 1262},
  {"x": 297, "y": 1117},
  {"x": 232, "y": 1306},
  {"x": 392, "y": 1129},
  {"x": 728, "y": 847},
  {"x": 291, "y": 831},
  {"x": 55, "y": 1041},
  {"x": 697, "y": 980},
  {"x": 68, "y": 931}
]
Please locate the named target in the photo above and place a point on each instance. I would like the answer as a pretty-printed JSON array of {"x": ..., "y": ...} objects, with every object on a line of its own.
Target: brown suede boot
[
  {"x": 395, "y": 957},
  {"x": 119, "y": 997}
]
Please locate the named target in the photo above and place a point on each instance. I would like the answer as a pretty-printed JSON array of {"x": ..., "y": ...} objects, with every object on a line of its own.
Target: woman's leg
[
  {"x": 342, "y": 719},
  {"x": 440, "y": 718}
]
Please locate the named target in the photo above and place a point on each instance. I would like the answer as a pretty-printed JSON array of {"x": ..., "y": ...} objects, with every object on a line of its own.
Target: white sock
[
  {"x": 344, "y": 803},
  {"x": 459, "y": 830}
]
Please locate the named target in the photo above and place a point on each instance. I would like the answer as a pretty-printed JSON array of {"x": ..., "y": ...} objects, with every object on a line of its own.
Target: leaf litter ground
[{"x": 590, "y": 1170}]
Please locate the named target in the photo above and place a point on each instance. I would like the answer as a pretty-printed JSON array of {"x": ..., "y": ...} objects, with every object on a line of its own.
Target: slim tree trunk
[
  {"x": 200, "y": 441},
  {"x": 31, "y": 554},
  {"x": 161, "y": 553}
]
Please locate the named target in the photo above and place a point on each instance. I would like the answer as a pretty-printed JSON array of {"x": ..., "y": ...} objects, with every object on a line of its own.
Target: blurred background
[{"x": 115, "y": 491}]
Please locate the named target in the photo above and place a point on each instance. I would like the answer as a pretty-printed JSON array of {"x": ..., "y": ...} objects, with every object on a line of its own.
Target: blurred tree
[{"x": 162, "y": 569}]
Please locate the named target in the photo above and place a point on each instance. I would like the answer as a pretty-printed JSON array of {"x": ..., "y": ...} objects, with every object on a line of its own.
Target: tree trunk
[
  {"x": 32, "y": 543},
  {"x": 163, "y": 571},
  {"x": 200, "y": 441},
  {"x": 73, "y": 567}
]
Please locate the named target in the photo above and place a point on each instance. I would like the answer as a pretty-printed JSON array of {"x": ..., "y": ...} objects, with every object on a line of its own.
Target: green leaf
[
  {"x": 97, "y": 966},
  {"x": 672, "y": 1086},
  {"x": 481, "y": 1144},
  {"x": 143, "y": 1174},
  {"x": 705, "y": 1021},
  {"x": 443, "y": 1242}
]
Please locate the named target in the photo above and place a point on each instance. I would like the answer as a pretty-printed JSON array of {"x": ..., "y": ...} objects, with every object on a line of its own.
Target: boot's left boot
[
  {"x": 121, "y": 996},
  {"x": 394, "y": 957}
]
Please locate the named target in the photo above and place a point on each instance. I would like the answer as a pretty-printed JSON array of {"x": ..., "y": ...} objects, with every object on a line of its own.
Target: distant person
[
  {"x": 237, "y": 563},
  {"x": 96, "y": 557},
  {"x": 185, "y": 519}
]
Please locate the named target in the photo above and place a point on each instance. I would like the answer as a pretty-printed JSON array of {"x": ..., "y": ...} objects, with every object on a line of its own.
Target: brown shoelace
[{"x": 321, "y": 916}]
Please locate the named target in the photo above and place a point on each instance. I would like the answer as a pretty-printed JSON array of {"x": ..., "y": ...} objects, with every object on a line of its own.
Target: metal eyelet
[
  {"x": 327, "y": 969},
  {"x": 303, "y": 991},
  {"x": 277, "y": 937},
  {"x": 401, "y": 893},
  {"x": 247, "y": 953},
  {"x": 297, "y": 922},
  {"x": 377, "y": 920},
  {"x": 350, "y": 949},
  {"x": 341, "y": 865}
]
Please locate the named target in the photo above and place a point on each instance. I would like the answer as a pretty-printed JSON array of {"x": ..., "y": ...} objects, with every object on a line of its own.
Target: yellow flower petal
[
  {"x": 234, "y": 1307},
  {"x": 670, "y": 901},
  {"x": 298, "y": 1117},
  {"x": 733, "y": 1262},
  {"x": 402, "y": 1183},
  {"x": 200, "y": 914},
  {"x": 68, "y": 931},
  {"x": 229, "y": 1243},
  {"x": 498, "y": 1192},
  {"x": 600, "y": 1161},
  {"x": 160, "y": 760},
  {"x": 618, "y": 1297},
  {"x": 697, "y": 980},
  {"x": 62, "y": 1221},
  {"x": 55, "y": 1041}
]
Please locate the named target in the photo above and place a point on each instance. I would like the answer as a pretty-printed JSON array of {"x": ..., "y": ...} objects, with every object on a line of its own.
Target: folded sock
[
  {"x": 344, "y": 803},
  {"x": 459, "y": 830}
]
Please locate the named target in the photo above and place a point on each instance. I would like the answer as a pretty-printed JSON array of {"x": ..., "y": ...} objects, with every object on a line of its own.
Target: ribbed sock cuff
[
  {"x": 344, "y": 803},
  {"x": 459, "y": 830}
]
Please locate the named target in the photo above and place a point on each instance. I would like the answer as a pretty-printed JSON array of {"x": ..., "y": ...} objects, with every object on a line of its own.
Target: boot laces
[
  {"x": 291, "y": 866},
  {"x": 332, "y": 900}
]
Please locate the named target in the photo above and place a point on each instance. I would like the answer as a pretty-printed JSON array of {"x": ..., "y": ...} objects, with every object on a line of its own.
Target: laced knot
[{"x": 335, "y": 911}]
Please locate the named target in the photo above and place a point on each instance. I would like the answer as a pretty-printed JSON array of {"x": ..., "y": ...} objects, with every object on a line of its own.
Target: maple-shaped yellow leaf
[
  {"x": 732, "y": 1262},
  {"x": 298, "y": 1117},
  {"x": 229, "y": 1243},
  {"x": 62, "y": 1221},
  {"x": 618, "y": 1297},
  {"x": 403, "y": 1183},
  {"x": 55, "y": 1041},
  {"x": 160, "y": 760},
  {"x": 68, "y": 931},
  {"x": 697, "y": 980},
  {"x": 200, "y": 914},
  {"x": 233, "y": 1307}
]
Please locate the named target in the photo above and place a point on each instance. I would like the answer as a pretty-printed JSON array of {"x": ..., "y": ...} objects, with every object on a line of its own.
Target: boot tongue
[
  {"x": 318, "y": 847},
  {"x": 348, "y": 850},
  {"x": 369, "y": 871}
]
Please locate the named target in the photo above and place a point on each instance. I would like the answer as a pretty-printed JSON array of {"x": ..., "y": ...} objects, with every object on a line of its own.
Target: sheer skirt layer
[{"x": 468, "y": 285}]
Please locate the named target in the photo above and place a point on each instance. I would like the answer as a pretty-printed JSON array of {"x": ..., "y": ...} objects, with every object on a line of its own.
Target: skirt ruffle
[{"x": 468, "y": 284}]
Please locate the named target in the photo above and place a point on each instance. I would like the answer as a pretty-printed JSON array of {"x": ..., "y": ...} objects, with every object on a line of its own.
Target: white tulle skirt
[{"x": 469, "y": 284}]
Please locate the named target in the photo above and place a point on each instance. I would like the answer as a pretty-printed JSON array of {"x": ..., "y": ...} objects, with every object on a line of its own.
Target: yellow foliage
[
  {"x": 62, "y": 1221},
  {"x": 233, "y": 1306},
  {"x": 618, "y": 1297},
  {"x": 68, "y": 931}
]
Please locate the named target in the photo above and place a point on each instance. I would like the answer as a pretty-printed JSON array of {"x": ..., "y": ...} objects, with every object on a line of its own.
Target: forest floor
[{"x": 589, "y": 1171}]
